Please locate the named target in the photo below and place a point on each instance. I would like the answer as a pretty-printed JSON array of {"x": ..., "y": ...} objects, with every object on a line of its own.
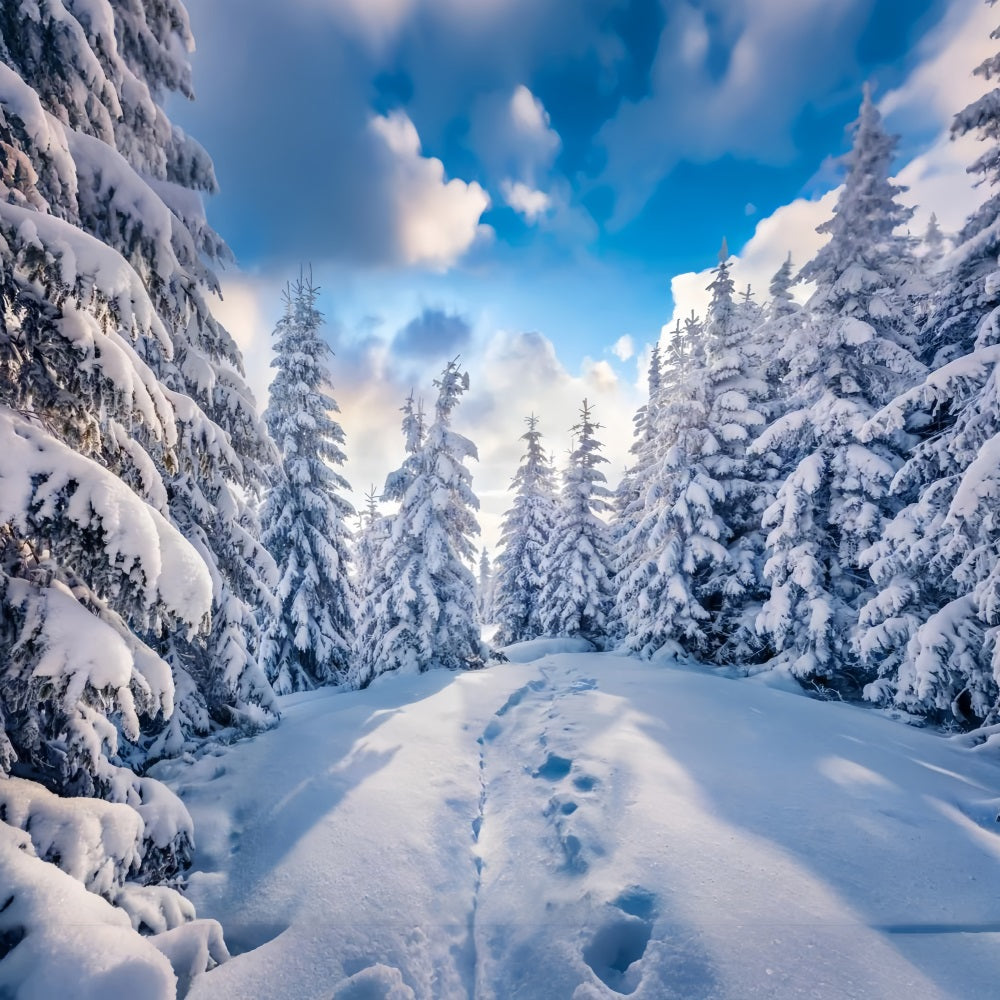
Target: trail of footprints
[{"x": 615, "y": 948}]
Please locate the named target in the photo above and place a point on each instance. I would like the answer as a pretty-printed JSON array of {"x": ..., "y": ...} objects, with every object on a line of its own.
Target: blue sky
[
  {"x": 654, "y": 149},
  {"x": 465, "y": 173}
]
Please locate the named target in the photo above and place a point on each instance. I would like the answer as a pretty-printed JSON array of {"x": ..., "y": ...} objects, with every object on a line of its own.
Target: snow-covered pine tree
[
  {"x": 376, "y": 587},
  {"x": 676, "y": 538},
  {"x": 525, "y": 531},
  {"x": 484, "y": 588},
  {"x": 846, "y": 359},
  {"x": 732, "y": 589},
  {"x": 970, "y": 291},
  {"x": 370, "y": 536},
  {"x": 103, "y": 250},
  {"x": 931, "y": 630},
  {"x": 577, "y": 595},
  {"x": 629, "y": 495},
  {"x": 782, "y": 301},
  {"x": 421, "y": 611},
  {"x": 933, "y": 244},
  {"x": 310, "y": 641},
  {"x": 121, "y": 172}
]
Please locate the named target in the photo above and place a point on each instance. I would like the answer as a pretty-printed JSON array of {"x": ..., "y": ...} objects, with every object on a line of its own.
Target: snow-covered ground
[{"x": 585, "y": 825}]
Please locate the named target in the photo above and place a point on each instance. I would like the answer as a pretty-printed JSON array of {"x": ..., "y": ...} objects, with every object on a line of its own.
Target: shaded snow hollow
[{"x": 584, "y": 825}]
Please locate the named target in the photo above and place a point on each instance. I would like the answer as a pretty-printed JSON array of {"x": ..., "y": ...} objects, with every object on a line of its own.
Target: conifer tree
[
  {"x": 484, "y": 588},
  {"x": 782, "y": 301},
  {"x": 421, "y": 612},
  {"x": 309, "y": 641},
  {"x": 370, "y": 536},
  {"x": 845, "y": 360},
  {"x": 676, "y": 540},
  {"x": 628, "y": 503},
  {"x": 576, "y": 594},
  {"x": 525, "y": 532},
  {"x": 930, "y": 631},
  {"x": 934, "y": 244},
  {"x": 122, "y": 173},
  {"x": 731, "y": 590},
  {"x": 131, "y": 452}
]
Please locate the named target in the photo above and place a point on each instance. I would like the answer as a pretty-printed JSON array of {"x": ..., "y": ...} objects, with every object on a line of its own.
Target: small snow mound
[
  {"x": 535, "y": 649},
  {"x": 377, "y": 982}
]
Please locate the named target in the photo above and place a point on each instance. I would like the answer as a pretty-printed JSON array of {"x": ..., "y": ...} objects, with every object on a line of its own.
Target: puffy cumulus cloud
[
  {"x": 530, "y": 118},
  {"x": 436, "y": 220},
  {"x": 781, "y": 56},
  {"x": 511, "y": 135},
  {"x": 525, "y": 200},
  {"x": 623, "y": 348},
  {"x": 434, "y": 334}
]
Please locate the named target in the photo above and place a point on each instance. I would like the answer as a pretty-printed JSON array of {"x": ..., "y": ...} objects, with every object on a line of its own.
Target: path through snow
[{"x": 587, "y": 826}]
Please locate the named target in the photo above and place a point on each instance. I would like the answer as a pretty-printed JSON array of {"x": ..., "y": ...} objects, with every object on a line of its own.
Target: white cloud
[
  {"x": 524, "y": 199},
  {"x": 943, "y": 82},
  {"x": 513, "y": 137},
  {"x": 530, "y": 117},
  {"x": 623, "y": 348},
  {"x": 436, "y": 220},
  {"x": 939, "y": 182}
]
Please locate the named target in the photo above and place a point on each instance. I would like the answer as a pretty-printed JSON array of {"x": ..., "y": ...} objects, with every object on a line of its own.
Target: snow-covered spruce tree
[
  {"x": 102, "y": 270},
  {"x": 121, "y": 172},
  {"x": 848, "y": 358},
  {"x": 310, "y": 641},
  {"x": 525, "y": 532},
  {"x": 933, "y": 245},
  {"x": 484, "y": 588},
  {"x": 931, "y": 630},
  {"x": 676, "y": 539},
  {"x": 577, "y": 595},
  {"x": 732, "y": 589},
  {"x": 371, "y": 533},
  {"x": 421, "y": 612},
  {"x": 375, "y": 586},
  {"x": 628, "y": 500},
  {"x": 630, "y": 494}
]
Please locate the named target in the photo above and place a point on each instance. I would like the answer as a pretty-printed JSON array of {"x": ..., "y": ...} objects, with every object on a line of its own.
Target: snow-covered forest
[{"x": 197, "y": 625}]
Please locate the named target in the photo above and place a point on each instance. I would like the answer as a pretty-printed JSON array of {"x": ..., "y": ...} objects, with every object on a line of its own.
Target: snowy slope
[{"x": 586, "y": 825}]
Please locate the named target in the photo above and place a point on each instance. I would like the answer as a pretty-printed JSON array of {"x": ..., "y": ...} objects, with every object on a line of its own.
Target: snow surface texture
[{"x": 586, "y": 825}]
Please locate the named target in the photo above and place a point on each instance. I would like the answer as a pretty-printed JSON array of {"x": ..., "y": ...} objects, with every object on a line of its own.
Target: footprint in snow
[
  {"x": 620, "y": 942},
  {"x": 555, "y": 768}
]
